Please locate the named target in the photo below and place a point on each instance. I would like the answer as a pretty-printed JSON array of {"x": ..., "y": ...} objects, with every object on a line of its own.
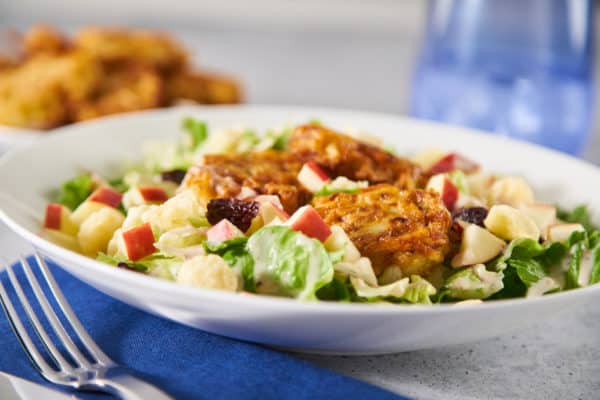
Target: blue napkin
[{"x": 185, "y": 362}]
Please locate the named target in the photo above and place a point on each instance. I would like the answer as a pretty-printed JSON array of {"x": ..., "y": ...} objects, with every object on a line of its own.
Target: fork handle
[{"x": 128, "y": 387}]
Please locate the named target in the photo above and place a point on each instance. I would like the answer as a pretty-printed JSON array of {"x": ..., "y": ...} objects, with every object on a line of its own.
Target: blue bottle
[{"x": 521, "y": 68}]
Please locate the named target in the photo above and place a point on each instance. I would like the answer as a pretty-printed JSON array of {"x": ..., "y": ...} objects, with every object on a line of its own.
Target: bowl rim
[{"x": 166, "y": 288}]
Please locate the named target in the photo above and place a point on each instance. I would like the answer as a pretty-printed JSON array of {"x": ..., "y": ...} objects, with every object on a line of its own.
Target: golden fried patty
[
  {"x": 345, "y": 156},
  {"x": 266, "y": 172},
  {"x": 407, "y": 228}
]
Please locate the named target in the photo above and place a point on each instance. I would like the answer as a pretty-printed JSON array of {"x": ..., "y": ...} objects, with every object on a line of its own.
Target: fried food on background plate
[
  {"x": 127, "y": 89},
  {"x": 202, "y": 87},
  {"x": 407, "y": 228},
  {"x": 149, "y": 48},
  {"x": 55, "y": 80},
  {"x": 343, "y": 155},
  {"x": 266, "y": 172},
  {"x": 44, "y": 39},
  {"x": 43, "y": 91}
]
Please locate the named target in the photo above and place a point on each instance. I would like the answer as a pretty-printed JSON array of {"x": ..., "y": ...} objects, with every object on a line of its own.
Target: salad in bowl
[{"x": 314, "y": 214}]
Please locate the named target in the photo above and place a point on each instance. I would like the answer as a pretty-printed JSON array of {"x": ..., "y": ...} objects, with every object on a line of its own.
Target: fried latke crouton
[
  {"x": 126, "y": 89},
  {"x": 149, "y": 48},
  {"x": 407, "y": 228},
  {"x": 346, "y": 156},
  {"x": 44, "y": 39},
  {"x": 267, "y": 172},
  {"x": 203, "y": 88},
  {"x": 41, "y": 93}
]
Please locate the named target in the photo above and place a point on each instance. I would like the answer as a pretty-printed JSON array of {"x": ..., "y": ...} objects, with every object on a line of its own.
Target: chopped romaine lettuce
[
  {"x": 416, "y": 290},
  {"x": 579, "y": 215},
  {"x": 572, "y": 275},
  {"x": 289, "y": 263},
  {"x": 196, "y": 131},
  {"x": 235, "y": 253},
  {"x": 336, "y": 290},
  {"x": 75, "y": 191},
  {"x": 595, "y": 274},
  {"x": 474, "y": 282},
  {"x": 419, "y": 291},
  {"x": 147, "y": 265}
]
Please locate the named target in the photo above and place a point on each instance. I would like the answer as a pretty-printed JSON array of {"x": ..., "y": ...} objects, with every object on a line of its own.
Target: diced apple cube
[
  {"x": 139, "y": 242},
  {"x": 269, "y": 211},
  {"x": 451, "y": 162},
  {"x": 222, "y": 231},
  {"x": 312, "y": 177},
  {"x": 58, "y": 217},
  {"x": 543, "y": 215},
  {"x": 479, "y": 184},
  {"x": 152, "y": 194},
  {"x": 269, "y": 198},
  {"x": 427, "y": 158},
  {"x": 339, "y": 240},
  {"x": 96, "y": 230},
  {"x": 106, "y": 195},
  {"x": 511, "y": 190},
  {"x": 561, "y": 232},
  {"x": 309, "y": 222},
  {"x": 477, "y": 246},
  {"x": 509, "y": 223},
  {"x": 445, "y": 188}
]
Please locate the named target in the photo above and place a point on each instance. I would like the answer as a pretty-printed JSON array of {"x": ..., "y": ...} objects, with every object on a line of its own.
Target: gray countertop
[{"x": 558, "y": 359}]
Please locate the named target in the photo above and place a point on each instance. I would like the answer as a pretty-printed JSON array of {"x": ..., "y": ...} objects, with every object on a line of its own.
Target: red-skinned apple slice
[
  {"x": 106, "y": 195},
  {"x": 58, "y": 217},
  {"x": 451, "y": 162},
  {"x": 312, "y": 177},
  {"x": 308, "y": 221},
  {"x": 222, "y": 231},
  {"x": 152, "y": 194},
  {"x": 446, "y": 189},
  {"x": 139, "y": 242}
]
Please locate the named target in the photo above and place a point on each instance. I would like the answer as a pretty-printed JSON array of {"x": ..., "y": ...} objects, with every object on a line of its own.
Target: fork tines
[{"x": 62, "y": 369}]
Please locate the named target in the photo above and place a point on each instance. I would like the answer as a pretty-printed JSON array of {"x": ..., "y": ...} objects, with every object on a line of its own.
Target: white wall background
[{"x": 356, "y": 15}]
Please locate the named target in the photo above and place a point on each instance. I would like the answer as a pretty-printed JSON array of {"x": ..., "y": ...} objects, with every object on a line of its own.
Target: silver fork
[{"x": 99, "y": 373}]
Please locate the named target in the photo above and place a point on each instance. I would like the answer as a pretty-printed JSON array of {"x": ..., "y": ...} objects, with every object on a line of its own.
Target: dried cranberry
[
  {"x": 176, "y": 176},
  {"x": 238, "y": 212},
  {"x": 473, "y": 215}
]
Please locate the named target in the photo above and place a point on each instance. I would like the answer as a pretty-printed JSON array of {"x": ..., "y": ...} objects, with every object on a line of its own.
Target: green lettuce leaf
[
  {"x": 595, "y": 275},
  {"x": 75, "y": 191},
  {"x": 579, "y": 215},
  {"x": 197, "y": 132},
  {"x": 143, "y": 265},
  {"x": 289, "y": 263},
  {"x": 572, "y": 274},
  {"x": 327, "y": 191},
  {"x": 336, "y": 290},
  {"x": 474, "y": 282},
  {"x": 235, "y": 253}
]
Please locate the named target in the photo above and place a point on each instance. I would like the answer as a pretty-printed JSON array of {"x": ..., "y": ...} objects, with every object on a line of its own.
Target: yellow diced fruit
[
  {"x": 511, "y": 190},
  {"x": 86, "y": 209},
  {"x": 62, "y": 239},
  {"x": 96, "y": 231},
  {"x": 509, "y": 223}
]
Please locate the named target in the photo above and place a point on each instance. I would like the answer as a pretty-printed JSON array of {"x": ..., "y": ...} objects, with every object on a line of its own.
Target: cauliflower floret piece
[
  {"x": 181, "y": 210},
  {"x": 209, "y": 272},
  {"x": 137, "y": 215}
]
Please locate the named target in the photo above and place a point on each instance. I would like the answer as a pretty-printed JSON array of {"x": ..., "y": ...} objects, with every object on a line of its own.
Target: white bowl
[{"x": 27, "y": 176}]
